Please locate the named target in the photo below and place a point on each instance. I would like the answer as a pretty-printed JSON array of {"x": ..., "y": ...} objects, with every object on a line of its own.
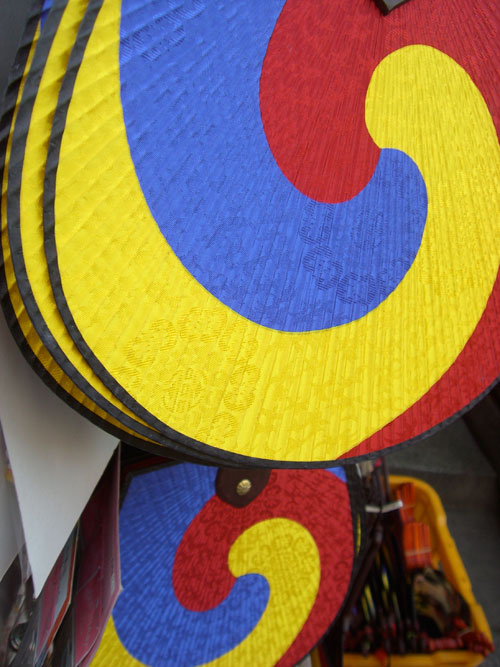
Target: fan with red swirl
[
  {"x": 257, "y": 233},
  {"x": 231, "y": 567}
]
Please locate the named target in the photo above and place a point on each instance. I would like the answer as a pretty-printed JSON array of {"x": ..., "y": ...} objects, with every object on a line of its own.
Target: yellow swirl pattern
[
  {"x": 284, "y": 406},
  {"x": 370, "y": 370},
  {"x": 283, "y": 552}
]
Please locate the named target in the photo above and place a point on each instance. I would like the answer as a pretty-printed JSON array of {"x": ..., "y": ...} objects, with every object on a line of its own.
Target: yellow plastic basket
[{"x": 429, "y": 509}]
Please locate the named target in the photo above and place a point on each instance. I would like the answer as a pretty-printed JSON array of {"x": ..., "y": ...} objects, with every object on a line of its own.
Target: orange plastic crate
[{"x": 429, "y": 509}]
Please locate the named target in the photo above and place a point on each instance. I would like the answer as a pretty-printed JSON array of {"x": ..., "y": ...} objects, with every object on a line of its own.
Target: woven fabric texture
[
  {"x": 208, "y": 583},
  {"x": 259, "y": 233}
]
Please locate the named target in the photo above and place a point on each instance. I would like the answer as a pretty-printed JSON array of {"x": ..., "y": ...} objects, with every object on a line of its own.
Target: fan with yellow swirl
[
  {"x": 258, "y": 234},
  {"x": 207, "y": 581}
]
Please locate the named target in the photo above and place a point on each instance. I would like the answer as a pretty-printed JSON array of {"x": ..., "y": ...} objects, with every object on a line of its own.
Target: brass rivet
[{"x": 243, "y": 487}]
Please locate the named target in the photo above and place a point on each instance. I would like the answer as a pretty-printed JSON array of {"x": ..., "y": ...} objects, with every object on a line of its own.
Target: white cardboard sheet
[{"x": 56, "y": 456}]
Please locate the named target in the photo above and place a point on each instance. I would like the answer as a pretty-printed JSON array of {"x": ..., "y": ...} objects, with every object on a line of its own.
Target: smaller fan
[{"x": 208, "y": 581}]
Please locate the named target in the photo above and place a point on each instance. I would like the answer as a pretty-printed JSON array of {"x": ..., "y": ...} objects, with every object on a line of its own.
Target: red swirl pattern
[
  {"x": 319, "y": 63},
  {"x": 316, "y": 499}
]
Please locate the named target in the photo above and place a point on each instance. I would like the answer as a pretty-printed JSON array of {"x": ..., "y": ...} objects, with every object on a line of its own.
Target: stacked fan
[{"x": 257, "y": 234}]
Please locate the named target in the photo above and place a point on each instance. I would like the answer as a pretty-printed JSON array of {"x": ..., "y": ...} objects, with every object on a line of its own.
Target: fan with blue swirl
[
  {"x": 257, "y": 233},
  {"x": 208, "y": 583}
]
